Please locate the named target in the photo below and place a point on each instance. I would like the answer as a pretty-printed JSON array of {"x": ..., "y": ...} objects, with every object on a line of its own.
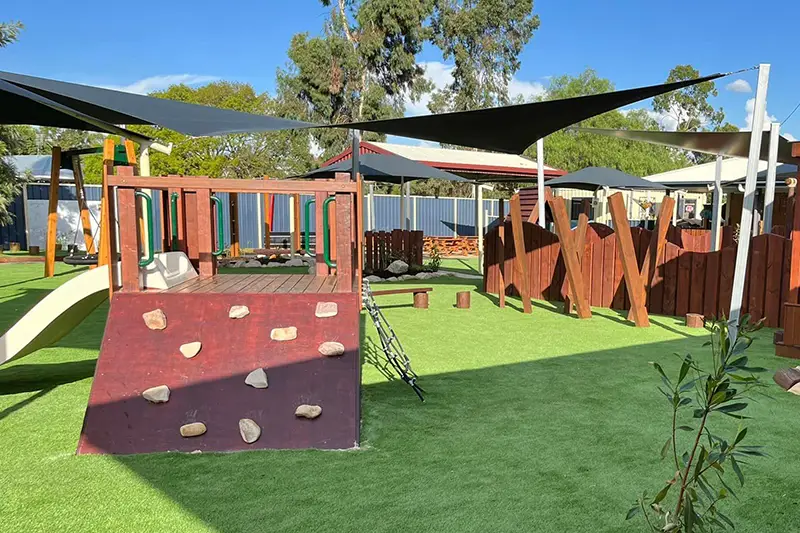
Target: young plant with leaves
[{"x": 698, "y": 484}]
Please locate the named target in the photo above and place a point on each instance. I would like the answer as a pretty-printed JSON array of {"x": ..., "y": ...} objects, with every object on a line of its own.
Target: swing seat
[{"x": 81, "y": 260}]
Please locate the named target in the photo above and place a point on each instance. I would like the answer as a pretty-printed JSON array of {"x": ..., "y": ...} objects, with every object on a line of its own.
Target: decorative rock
[
  {"x": 331, "y": 348},
  {"x": 405, "y": 277},
  {"x": 795, "y": 389},
  {"x": 155, "y": 319},
  {"x": 373, "y": 279},
  {"x": 296, "y": 262},
  {"x": 249, "y": 430},
  {"x": 195, "y": 429},
  {"x": 238, "y": 311},
  {"x": 390, "y": 279},
  {"x": 326, "y": 309},
  {"x": 274, "y": 264},
  {"x": 308, "y": 411},
  {"x": 158, "y": 394},
  {"x": 239, "y": 264},
  {"x": 398, "y": 267},
  {"x": 190, "y": 349},
  {"x": 283, "y": 334},
  {"x": 257, "y": 379},
  {"x": 253, "y": 263}
]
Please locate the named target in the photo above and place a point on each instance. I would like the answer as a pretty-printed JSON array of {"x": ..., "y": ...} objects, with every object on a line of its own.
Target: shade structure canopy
[
  {"x": 511, "y": 129},
  {"x": 386, "y": 168},
  {"x": 593, "y": 178},
  {"x": 44, "y": 102},
  {"x": 727, "y": 143}
]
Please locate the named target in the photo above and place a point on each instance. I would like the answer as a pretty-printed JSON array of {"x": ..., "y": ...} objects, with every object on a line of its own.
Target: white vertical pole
[
  {"x": 292, "y": 229},
  {"x": 743, "y": 249},
  {"x": 402, "y": 202},
  {"x": 25, "y": 214},
  {"x": 716, "y": 208},
  {"x": 407, "y": 212},
  {"x": 772, "y": 170},
  {"x": 371, "y": 207},
  {"x": 455, "y": 217},
  {"x": 144, "y": 170},
  {"x": 540, "y": 180},
  {"x": 479, "y": 223},
  {"x": 260, "y": 219},
  {"x": 414, "y": 213}
]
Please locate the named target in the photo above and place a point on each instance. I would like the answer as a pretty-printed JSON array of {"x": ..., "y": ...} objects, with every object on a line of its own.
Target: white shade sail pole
[
  {"x": 407, "y": 212},
  {"x": 772, "y": 170},
  {"x": 371, "y": 207},
  {"x": 716, "y": 209},
  {"x": 402, "y": 203},
  {"x": 540, "y": 179},
  {"x": 745, "y": 228},
  {"x": 479, "y": 222}
]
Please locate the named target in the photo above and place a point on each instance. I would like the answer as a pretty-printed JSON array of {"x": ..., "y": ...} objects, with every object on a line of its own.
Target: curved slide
[{"x": 55, "y": 315}]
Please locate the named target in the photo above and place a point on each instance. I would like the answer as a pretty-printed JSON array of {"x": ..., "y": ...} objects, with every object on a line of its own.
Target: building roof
[
  {"x": 37, "y": 165},
  {"x": 698, "y": 177},
  {"x": 386, "y": 168},
  {"x": 477, "y": 166}
]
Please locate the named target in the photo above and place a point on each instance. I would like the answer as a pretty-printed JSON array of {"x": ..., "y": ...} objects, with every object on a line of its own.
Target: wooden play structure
[
  {"x": 302, "y": 331},
  {"x": 665, "y": 271}
]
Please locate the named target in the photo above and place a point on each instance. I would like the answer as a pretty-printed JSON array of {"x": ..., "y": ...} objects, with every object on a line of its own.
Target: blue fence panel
[
  {"x": 466, "y": 217},
  {"x": 387, "y": 213},
  {"x": 435, "y": 216},
  {"x": 15, "y": 231}
]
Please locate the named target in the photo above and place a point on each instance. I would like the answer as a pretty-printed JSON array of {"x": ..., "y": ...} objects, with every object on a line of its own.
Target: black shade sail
[
  {"x": 116, "y": 107},
  {"x": 593, "y": 178},
  {"x": 728, "y": 143},
  {"x": 511, "y": 129},
  {"x": 385, "y": 168}
]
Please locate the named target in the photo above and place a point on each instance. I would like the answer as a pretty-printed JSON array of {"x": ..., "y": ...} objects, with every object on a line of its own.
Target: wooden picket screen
[
  {"x": 383, "y": 247},
  {"x": 686, "y": 279}
]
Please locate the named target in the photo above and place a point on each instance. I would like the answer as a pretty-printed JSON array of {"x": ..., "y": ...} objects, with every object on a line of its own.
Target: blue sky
[{"x": 631, "y": 42}]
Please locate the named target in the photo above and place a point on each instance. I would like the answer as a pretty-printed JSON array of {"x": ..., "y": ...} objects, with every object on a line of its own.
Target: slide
[{"x": 56, "y": 315}]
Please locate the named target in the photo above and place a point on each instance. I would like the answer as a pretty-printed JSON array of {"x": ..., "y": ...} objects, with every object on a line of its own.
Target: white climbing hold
[
  {"x": 190, "y": 349},
  {"x": 308, "y": 411},
  {"x": 249, "y": 430},
  {"x": 283, "y": 334},
  {"x": 238, "y": 311},
  {"x": 155, "y": 319},
  {"x": 195, "y": 429},
  {"x": 257, "y": 378},
  {"x": 326, "y": 309},
  {"x": 331, "y": 348},
  {"x": 159, "y": 394}
]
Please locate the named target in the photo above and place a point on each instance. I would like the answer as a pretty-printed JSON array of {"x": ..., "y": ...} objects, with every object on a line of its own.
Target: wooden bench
[{"x": 420, "y": 295}]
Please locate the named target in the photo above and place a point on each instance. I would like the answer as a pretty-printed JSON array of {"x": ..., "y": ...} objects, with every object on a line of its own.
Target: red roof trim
[{"x": 369, "y": 148}]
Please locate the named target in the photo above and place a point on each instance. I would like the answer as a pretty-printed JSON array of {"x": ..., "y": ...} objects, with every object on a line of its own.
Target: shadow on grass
[
  {"x": 23, "y": 403},
  {"x": 45, "y": 376},
  {"x": 39, "y": 278}
]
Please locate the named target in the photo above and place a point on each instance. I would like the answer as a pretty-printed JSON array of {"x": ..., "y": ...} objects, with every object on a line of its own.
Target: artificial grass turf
[{"x": 532, "y": 422}]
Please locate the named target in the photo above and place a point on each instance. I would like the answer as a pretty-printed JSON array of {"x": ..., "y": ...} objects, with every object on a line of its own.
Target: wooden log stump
[
  {"x": 421, "y": 300},
  {"x": 777, "y": 337},
  {"x": 787, "y": 377},
  {"x": 694, "y": 320},
  {"x": 462, "y": 299}
]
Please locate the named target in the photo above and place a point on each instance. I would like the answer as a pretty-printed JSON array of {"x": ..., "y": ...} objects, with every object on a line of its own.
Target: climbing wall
[{"x": 208, "y": 389}]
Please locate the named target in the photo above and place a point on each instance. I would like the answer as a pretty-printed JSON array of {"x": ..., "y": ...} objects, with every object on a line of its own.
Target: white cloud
[
  {"x": 739, "y": 86},
  {"x": 749, "y": 107},
  {"x": 666, "y": 121},
  {"x": 158, "y": 83},
  {"x": 441, "y": 74}
]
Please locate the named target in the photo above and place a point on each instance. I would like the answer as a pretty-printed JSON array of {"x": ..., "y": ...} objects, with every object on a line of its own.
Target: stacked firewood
[{"x": 450, "y": 246}]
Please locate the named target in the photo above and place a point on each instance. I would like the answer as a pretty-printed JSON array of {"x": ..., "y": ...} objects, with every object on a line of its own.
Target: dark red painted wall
[{"x": 210, "y": 387}]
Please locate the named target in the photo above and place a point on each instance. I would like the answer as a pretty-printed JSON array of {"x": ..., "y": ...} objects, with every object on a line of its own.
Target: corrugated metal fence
[{"x": 437, "y": 217}]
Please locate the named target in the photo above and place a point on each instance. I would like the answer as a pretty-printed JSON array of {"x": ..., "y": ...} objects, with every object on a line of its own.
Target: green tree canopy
[{"x": 10, "y": 182}]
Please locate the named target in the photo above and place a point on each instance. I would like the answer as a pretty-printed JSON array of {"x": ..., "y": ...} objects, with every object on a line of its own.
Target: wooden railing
[
  {"x": 195, "y": 224},
  {"x": 383, "y": 247}
]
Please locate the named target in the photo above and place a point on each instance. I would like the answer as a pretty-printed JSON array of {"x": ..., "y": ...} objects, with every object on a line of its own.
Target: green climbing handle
[
  {"x": 307, "y": 217},
  {"x": 173, "y": 212},
  {"x": 220, "y": 227},
  {"x": 326, "y": 229},
  {"x": 148, "y": 210}
]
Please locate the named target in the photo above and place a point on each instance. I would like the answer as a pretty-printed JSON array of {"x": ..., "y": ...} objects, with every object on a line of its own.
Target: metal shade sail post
[
  {"x": 745, "y": 228},
  {"x": 716, "y": 213},
  {"x": 772, "y": 170},
  {"x": 540, "y": 180}
]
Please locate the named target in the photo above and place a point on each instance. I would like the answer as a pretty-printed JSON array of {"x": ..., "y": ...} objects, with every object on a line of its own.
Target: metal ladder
[{"x": 390, "y": 344}]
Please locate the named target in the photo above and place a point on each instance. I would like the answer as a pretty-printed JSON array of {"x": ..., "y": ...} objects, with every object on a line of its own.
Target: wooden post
[
  {"x": 656, "y": 247},
  {"x": 520, "y": 257},
  {"x": 558, "y": 208},
  {"x": 128, "y": 240},
  {"x": 501, "y": 210},
  {"x": 359, "y": 230},
  {"x": 580, "y": 245},
  {"x": 322, "y": 268},
  {"x": 334, "y": 235},
  {"x": 533, "y": 218},
  {"x": 52, "y": 213},
  {"x": 630, "y": 267},
  {"x": 296, "y": 215},
  {"x": 108, "y": 235},
  {"x": 462, "y": 300},
  {"x": 794, "y": 236},
  {"x": 344, "y": 231},
  {"x": 80, "y": 193},
  {"x": 233, "y": 213},
  {"x": 500, "y": 249},
  {"x": 267, "y": 219},
  {"x": 205, "y": 228}
]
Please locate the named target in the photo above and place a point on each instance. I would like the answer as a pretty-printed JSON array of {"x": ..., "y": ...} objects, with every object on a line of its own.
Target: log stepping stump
[
  {"x": 694, "y": 320},
  {"x": 195, "y": 429},
  {"x": 155, "y": 319},
  {"x": 462, "y": 299},
  {"x": 421, "y": 300},
  {"x": 420, "y": 295},
  {"x": 787, "y": 377}
]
